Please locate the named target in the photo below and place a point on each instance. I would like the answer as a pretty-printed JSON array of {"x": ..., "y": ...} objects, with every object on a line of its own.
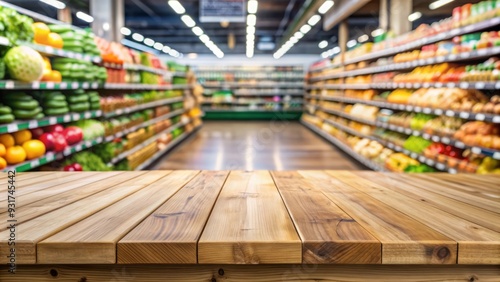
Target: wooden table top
[{"x": 259, "y": 217}]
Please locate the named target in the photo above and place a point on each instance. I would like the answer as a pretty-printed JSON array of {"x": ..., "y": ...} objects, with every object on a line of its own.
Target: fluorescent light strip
[
  {"x": 363, "y": 38},
  {"x": 138, "y": 37},
  {"x": 351, "y": 43},
  {"x": 197, "y": 31},
  {"x": 305, "y": 29},
  {"x": 325, "y": 7},
  {"x": 323, "y": 44},
  {"x": 414, "y": 16},
  {"x": 177, "y": 7},
  {"x": 439, "y": 3},
  {"x": 252, "y": 6},
  {"x": 125, "y": 31},
  {"x": 377, "y": 32},
  {"x": 297, "y": 36},
  {"x": 251, "y": 23},
  {"x": 149, "y": 42},
  {"x": 54, "y": 3},
  {"x": 314, "y": 20},
  {"x": 158, "y": 46},
  {"x": 251, "y": 20},
  {"x": 188, "y": 21},
  {"x": 84, "y": 17}
]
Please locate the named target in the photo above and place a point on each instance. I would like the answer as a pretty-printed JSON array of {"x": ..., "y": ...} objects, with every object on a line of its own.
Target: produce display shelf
[
  {"x": 145, "y": 143},
  {"x": 267, "y": 77},
  {"x": 481, "y": 85},
  {"x": 473, "y": 55},
  {"x": 260, "y": 85},
  {"x": 348, "y": 116},
  {"x": 140, "y": 107},
  {"x": 139, "y": 86},
  {"x": 35, "y": 123},
  {"x": 349, "y": 130},
  {"x": 366, "y": 162},
  {"x": 169, "y": 147},
  {"x": 52, "y": 156},
  {"x": 37, "y": 85},
  {"x": 51, "y": 51},
  {"x": 328, "y": 66},
  {"x": 411, "y": 108},
  {"x": 251, "y": 102},
  {"x": 300, "y": 93},
  {"x": 209, "y": 110},
  {"x": 427, "y": 40}
]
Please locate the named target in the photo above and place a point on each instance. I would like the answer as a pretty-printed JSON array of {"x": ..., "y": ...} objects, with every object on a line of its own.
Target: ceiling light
[
  {"x": 439, "y": 3},
  {"x": 166, "y": 49},
  {"x": 173, "y": 53},
  {"x": 204, "y": 38},
  {"x": 314, "y": 20},
  {"x": 192, "y": 56},
  {"x": 298, "y": 35},
  {"x": 414, "y": 16},
  {"x": 324, "y": 55},
  {"x": 252, "y": 6},
  {"x": 138, "y": 37},
  {"x": 305, "y": 28},
  {"x": 210, "y": 44},
  {"x": 250, "y": 37},
  {"x": 351, "y": 43},
  {"x": 323, "y": 44},
  {"x": 84, "y": 17},
  {"x": 188, "y": 21},
  {"x": 158, "y": 46},
  {"x": 377, "y": 32},
  {"x": 250, "y": 53},
  {"x": 105, "y": 26},
  {"x": 125, "y": 31},
  {"x": 251, "y": 29},
  {"x": 197, "y": 30},
  {"x": 251, "y": 20},
  {"x": 336, "y": 50},
  {"x": 325, "y": 7},
  {"x": 294, "y": 40},
  {"x": 149, "y": 42},
  {"x": 54, "y": 3},
  {"x": 363, "y": 38},
  {"x": 177, "y": 6}
]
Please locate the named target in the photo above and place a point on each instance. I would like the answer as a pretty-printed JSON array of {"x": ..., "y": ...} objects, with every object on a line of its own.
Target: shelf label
[
  {"x": 459, "y": 145},
  {"x": 35, "y": 85},
  {"x": 401, "y": 107},
  {"x": 79, "y": 56},
  {"x": 426, "y": 85},
  {"x": 76, "y": 117},
  {"x": 33, "y": 123},
  {"x": 421, "y": 159},
  {"x": 418, "y": 109},
  {"x": 85, "y": 85},
  {"x": 450, "y": 113},
  {"x": 426, "y": 136},
  {"x": 49, "y": 157},
  {"x": 429, "y": 162},
  {"x": 390, "y": 145},
  {"x": 78, "y": 148},
  {"x": 464, "y": 55},
  {"x": 451, "y": 85},
  {"x": 406, "y": 152},
  {"x": 496, "y": 155},
  {"x": 438, "y": 84},
  {"x": 475, "y": 150},
  {"x": 417, "y": 85},
  {"x": 435, "y": 138},
  {"x": 12, "y": 127},
  {"x": 413, "y": 155},
  {"x": 49, "y": 49},
  {"x": 398, "y": 148},
  {"x": 464, "y": 115},
  {"x": 482, "y": 52},
  {"x": 50, "y": 85},
  {"x": 452, "y": 171},
  {"x": 409, "y": 108},
  {"x": 440, "y": 166},
  {"x": 52, "y": 120},
  {"x": 95, "y": 85},
  {"x": 74, "y": 85},
  {"x": 480, "y": 117},
  {"x": 480, "y": 85},
  {"x": 88, "y": 144},
  {"x": 87, "y": 115},
  {"x": 63, "y": 85},
  {"x": 67, "y": 152},
  {"x": 445, "y": 140},
  {"x": 496, "y": 119},
  {"x": 67, "y": 118},
  {"x": 408, "y": 131},
  {"x": 464, "y": 85},
  {"x": 427, "y": 110},
  {"x": 438, "y": 112},
  {"x": 35, "y": 163}
]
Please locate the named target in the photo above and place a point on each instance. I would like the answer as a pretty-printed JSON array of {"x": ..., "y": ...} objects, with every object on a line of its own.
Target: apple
[
  {"x": 48, "y": 140},
  {"x": 36, "y": 132},
  {"x": 73, "y": 134},
  {"x": 54, "y": 128},
  {"x": 59, "y": 142},
  {"x": 77, "y": 167}
]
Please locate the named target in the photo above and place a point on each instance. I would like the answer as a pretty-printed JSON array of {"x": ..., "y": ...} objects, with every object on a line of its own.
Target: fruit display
[
  {"x": 88, "y": 161},
  {"x": 44, "y": 36},
  {"x": 53, "y": 103},
  {"x": 78, "y": 101},
  {"x": 48, "y": 73},
  {"x": 76, "y": 40},
  {"x": 6, "y": 115},
  {"x": 478, "y": 133},
  {"x": 400, "y": 96},
  {"x": 489, "y": 165},
  {"x": 23, "y": 106},
  {"x": 79, "y": 70},
  {"x": 416, "y": 144},
  {"x": 443, "y": 126},
  {"x": 398, "y": 162}
]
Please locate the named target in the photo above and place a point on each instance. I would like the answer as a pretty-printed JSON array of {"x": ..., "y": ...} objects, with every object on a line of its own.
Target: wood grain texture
[
  {"x": 476, "y": 244},
  {"x": 93, "y": 239},
  {"x": 476, "y": 188},
  {"x": 249, "y": 224},
  {"x": 31, "y": 232},
  {"x": 170, "y": 234},
  {"x": 328, "y": 234},
  {"x": 35, "y": 204},
  {"x": 253, "y": 273},
  {"x": 404, "y": 240}
]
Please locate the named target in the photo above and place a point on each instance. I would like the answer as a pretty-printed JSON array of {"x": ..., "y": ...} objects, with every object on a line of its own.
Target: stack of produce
[
  {"x": 398, "y": 162},
  {"x": 78, "y": 70},
  {"x": 478, "y": 133},
  {"x": 443, "y": 126},
  {"x": 416, "y": 144},
  {"x": 88, "y": 161},
  {"x": 78, "y": 101},
  {"x": 56, "y": 138},
  {"x": 79, "y": 40},
  {"x": 6, "y": 115},
  {"x": 53, "y": 103},
  {"x": 23, "y": 106},
  {"x": 24, "y": 64},
  {"x": 48, "y": 73},
  {"x": 19, "y": 146},
  {"x": 94, "y": 100},
  {"x": 148, "y": 77},
  {"x": 15, "y": 27},
  {"x": 92, "y": 129},
  {"x": 43, "y": 36},
  {"x": 135, "y": 159}
]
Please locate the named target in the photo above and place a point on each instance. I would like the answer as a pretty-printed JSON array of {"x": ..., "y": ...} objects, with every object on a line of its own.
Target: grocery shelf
[
  {"x": 251, "y": 102},
  {"x": 209, "y": 110},
  {"x": 473, "y": 55},
  {"x": 37, "y": 85},
  {"x": 265, "y": 76},
  {"x": 366, "y": 162},
  {"x": 348, "y": 116},
  {"x": 270, "y": 94},
  {"x": 140, "y": 107},
  {"x": 170, "y": 145},
  {"x": 145, "y": 143},
  {"x": 51, "y": 51},
  {"x": 260, "y": 85},
  {"x": 411, "y": 108},
  {"x": 328, "y": 66},
  {"x": 51, "y": 156},
  {"x": 349, "y": 130},
  {"x": 426, "y": 40},
  {"x": 482, "y": 85},
  {"x": 139, "y": 86}
]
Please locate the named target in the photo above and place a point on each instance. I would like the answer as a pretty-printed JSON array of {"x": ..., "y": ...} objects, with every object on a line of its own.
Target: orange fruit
[
  {"x": 41, "y": 32},
  {"x": 15, "y": 155},
  {"x": 55, "y": 76},
  {"x": 34, "y": 149},
  {"x": 22, "y": 136},
  {"x": 55, "y": 40},
  {"x": 3, "y": 163},
  {"x": 2, "y": 150},
  {"x": 7, "y": 140}
]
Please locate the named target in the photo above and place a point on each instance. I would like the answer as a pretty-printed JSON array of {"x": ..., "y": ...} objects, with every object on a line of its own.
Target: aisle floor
[{"x": 249, "y": 145}]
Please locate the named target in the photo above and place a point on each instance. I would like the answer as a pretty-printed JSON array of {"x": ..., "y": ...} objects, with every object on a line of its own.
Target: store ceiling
[{"x": 155, "y": 19}]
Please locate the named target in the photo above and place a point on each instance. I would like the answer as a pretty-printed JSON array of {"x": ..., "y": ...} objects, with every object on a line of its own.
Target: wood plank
[
  {"x": 44, "y": 201},
  {"x": 449, "y": 192},
  {"x": 404, "y": 240},
  {"x": 63, "y": 193},
  {"x": 170, "y": 234},
  {"x": 476, "y": 244},
  {"x": 328, "y": 234},
  {"x": 412, "y": 190},
  {"x": 93, "y": 239},
  {"x": 457, "y": 181},
  {"x": 31, "y": 232},
  {"x": 252, "y": 273},
  {"x": 249, "y": 224},
  {"x": 27, "y": 179}
]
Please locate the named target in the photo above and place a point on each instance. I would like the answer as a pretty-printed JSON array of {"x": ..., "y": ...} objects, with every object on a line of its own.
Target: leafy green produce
[
  {"x": 416, "y": 144},
  {"x": 88, "y": 160},
  {"x": 14, "y": 26},
  {"x": 92, "y": 129},
  {"x": 419, "y": 168},
  {"x": 123, "y": 165},
  {"x": 2, "y": 69},
  {"x": 106, "y": 151}
]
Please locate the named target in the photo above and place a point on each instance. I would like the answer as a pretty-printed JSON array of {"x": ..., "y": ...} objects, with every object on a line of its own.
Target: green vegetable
[
  {"x": 16, "y": 96},
  {"x": 80, "y": 107},
  {"x": 39, "y": 116},
  {"x": 6, "y": 118},
  {"x": 25, "y": 114},
  {"x": 92, "y": 129},
  {"x": 24, "y": 63},
  {"x": 89, "y": 161},
  {"x": 2, "y": 69},
  {"x": 75, "y": 99},
  {"x": 60, "y": 28},
  {"x": 14, "y": 26},
  {"x": 23, "y": 105},
  {"x": 5, "y": 110},
  {"x": 56, "y": 111},
  {"x": 106, "y": 151},
  {"x": 55, "y": 104}
]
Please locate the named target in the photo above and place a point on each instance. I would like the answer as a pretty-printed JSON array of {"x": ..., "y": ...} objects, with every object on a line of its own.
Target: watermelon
[{"x": 24, "y": 64}]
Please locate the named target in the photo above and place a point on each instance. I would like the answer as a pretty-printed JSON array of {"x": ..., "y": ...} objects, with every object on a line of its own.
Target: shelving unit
[
  {"x": 332, "y": 86},
  {"x": 280, "y": 82}
]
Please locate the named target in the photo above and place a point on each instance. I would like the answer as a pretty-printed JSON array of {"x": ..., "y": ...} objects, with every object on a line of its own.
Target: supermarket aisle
[{"x": 273, "y": 145}]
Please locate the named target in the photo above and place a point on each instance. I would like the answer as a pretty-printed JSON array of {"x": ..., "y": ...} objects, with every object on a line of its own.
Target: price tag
[
  {"x": 417, "y": 85},
  {"x": 85, "y": 85},
  {"x": 50, "y": 85},
  {"x": 451, "y": 85},
  {"x": 426, "y": 136},
  {"x": 480, "y": 117},
  {"x": 35, "y": 85},
  {"x": 496, "y": 155},
  {"x": 413, "y": 155},
  {"x": 482, "y": 52},
  {"x": 67, "y": 118},
  {"x": 52, "y": 120},
  {"x": 464, "y": 85},
  {"x": 88, "y": 144},
  {"x": 409, "y": 108},
  {"x": 78, "y": 56},
  {"x": 87, "y": 115},
  {"x": 468, "y": 28},
  {"x": 74, "y": 85},
  {"x": 429, "y": 61},
  {"x": 406, "y": 152},
  {"x": 33, "y": 123},
  {"x": 12, "y": 127},
  {"x": 401, "y": 107},
  {"x": 35, "y": 163},
  {"x": 480, "y": 85},
  {"x": 418, "y": 109},
  {"x": 49, "y": 157},
  {"x": 464, "y": 115},
  {"x": 421, "y": 159},
  {"x": 440, "y": 59},
  {"x": 496, "y": 119},
  {"x": 452, "y": 57},
  {"x": 452, "y": 171},
  {"x": 445, "y": 140},
  {"x": 67, "y": 151},
  {"x": 401, "y": 85},
  {"x": 475, "y": 150},
  {"x": 95, "y": 85},
  {"x": 438, "y": 112},
  {"x": 398, "y": 148},
  {"x": 392, "y": 127},
  {"x": 459, "y": 145},
  {"x": 438, "y": 84},
  {"x": 427, "y": 110},
  {"x": 450, "y": 113},
  {"x": 435, "y": 138},
  {"x": 454, "y": 32},
  {"x": 426, "y": 85},
  {"x": 464, "y": 55},
  {"x": 63, "y": 85},
  {"x": 497, "y": 85},
  {"x": 440, "y": 166},
  {"x": 429, "y": 162},
  {"x": 78, "y": 148},
  {"x": 49, "y": 49},
  {"x": 98, "y": 113},
  {"x": 87, "y": 58},
  {"x": 76, "y": 117},
  {"x": 70, "y": 55},
  {"x": 390, "y": 145},
  {"x": 408, "y": 131}
]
